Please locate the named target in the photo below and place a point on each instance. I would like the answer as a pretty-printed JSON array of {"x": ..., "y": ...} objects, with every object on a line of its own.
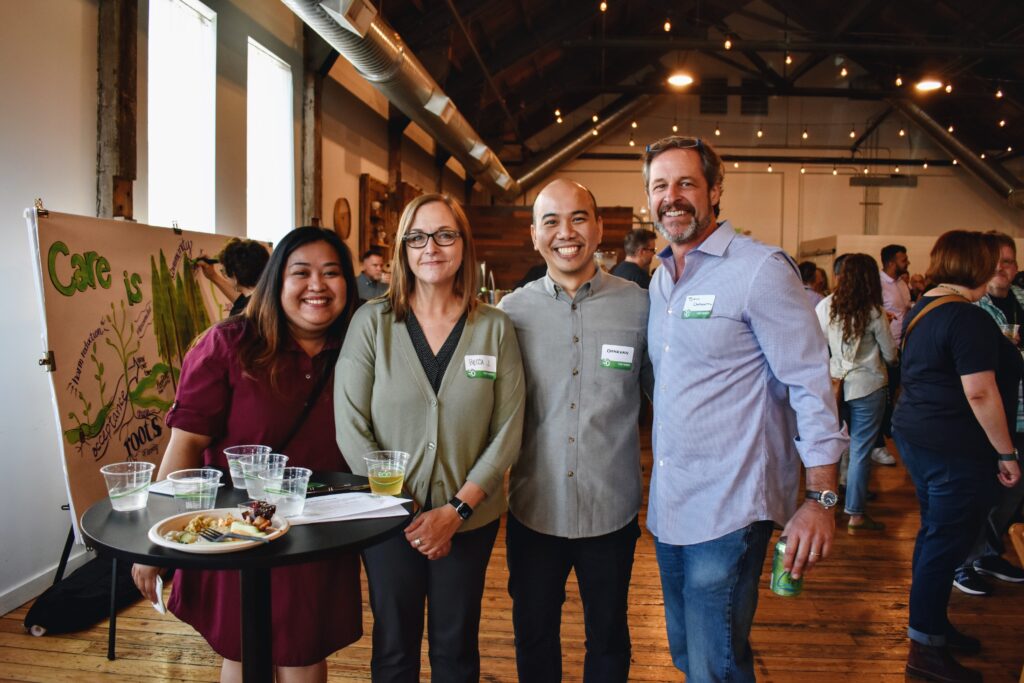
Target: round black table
[{"x": 124, "y": 536}]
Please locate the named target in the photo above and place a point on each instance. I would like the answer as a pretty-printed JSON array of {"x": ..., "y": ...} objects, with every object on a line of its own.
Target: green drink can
[{"x": 782, "y": 583}]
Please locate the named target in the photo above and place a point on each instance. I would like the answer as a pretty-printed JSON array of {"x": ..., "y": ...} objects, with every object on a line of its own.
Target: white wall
[{"x": 48, "y": 150}]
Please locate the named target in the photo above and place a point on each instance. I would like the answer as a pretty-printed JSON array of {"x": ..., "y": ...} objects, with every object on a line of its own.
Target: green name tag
[
  {"x": 698, "y": 306},
  {"x": 616, "y": 357},
  {"x": 482, "y": 367}
]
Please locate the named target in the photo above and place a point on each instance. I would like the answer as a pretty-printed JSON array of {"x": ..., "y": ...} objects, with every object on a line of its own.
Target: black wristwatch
[
  {"x": 460, "y": 507},
  {"x": 1009, "y": 457},
  {"x": 828, "y": 499}
]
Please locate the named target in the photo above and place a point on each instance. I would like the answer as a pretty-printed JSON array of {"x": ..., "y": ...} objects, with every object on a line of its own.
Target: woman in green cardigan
[{"x": 428, "y": 370}]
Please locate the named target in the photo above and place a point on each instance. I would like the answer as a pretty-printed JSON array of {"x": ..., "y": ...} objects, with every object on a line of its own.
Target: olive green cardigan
[{"x": 471, "y": 430}]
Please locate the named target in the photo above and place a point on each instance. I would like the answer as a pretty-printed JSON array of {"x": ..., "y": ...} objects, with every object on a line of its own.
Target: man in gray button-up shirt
[{"x": 575, "y": 490}]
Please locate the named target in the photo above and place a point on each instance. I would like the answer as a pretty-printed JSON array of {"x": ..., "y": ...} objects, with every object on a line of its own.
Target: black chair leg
[{"x": 112, "y": 632}]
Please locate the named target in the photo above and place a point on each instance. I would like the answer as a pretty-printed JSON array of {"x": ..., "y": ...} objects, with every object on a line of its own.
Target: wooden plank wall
[{"x": 502, "y": 235}]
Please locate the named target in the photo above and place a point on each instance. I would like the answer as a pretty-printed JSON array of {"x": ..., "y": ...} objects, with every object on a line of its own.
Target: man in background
[
  {"x": 639, "y": 248},
  {"x": 896, "y": 302},
  {"x": 373, "y": 281}
]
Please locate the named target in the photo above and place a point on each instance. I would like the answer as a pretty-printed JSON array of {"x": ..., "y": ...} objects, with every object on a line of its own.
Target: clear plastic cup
[
  {"x": 195, "y": 489},
  {"x": 234, "y": 454},
  {"x": 1011, "y": 332},
  {"x": 386, "y": 471},
  {"x": 128, "y": 484},
  {"x": 286, "y": 489},
  {"x": 255, "y": 465}
]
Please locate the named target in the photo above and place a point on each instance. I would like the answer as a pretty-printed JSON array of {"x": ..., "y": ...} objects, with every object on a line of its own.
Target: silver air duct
[
  {"x": 995, "y": 176},
  {"x": 356, "y": 31}
]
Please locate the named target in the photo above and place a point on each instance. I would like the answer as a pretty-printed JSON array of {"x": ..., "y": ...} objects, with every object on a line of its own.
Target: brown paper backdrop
[{"x": 122, "y": 304}]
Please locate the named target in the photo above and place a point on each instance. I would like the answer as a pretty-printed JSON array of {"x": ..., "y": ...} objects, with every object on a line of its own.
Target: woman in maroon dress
[{"x": 246, "y": 381}]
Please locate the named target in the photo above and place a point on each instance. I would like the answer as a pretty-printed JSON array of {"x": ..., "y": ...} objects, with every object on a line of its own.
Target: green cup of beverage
[
  {"x": 386, "y": 471},
  {"x": 128, "y": 484},
  {"x": 195, "y": 489},
  {"x": 235, "y": 454}
]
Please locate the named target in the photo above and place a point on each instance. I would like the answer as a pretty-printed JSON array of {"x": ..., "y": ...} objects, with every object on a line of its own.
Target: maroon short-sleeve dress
[{"x": 316, "y": 606}]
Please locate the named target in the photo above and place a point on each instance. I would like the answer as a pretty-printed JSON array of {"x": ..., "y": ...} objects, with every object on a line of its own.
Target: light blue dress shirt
[{"x": 734, "y": 390}]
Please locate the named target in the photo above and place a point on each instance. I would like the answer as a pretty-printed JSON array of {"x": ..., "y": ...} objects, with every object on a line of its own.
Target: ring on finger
[
  {"x": 418, "y": 542},
  {"x": 814, "y": 554}
]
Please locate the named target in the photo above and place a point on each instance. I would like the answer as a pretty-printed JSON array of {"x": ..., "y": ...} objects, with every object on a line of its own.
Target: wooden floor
[{"x": 849, "y": 624}]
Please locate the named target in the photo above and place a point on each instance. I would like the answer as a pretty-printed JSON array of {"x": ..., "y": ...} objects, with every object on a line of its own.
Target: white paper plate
[{"x": 178, "y": 522}]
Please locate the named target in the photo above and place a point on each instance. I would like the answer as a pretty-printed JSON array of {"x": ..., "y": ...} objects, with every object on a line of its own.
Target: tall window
[
  {"x": 270, "y": 146},
  {"x": 182, "y": 114}
]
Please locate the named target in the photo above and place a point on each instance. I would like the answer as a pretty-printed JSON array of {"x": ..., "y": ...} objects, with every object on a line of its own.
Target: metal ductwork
[
  {"x": 582, "y": 138},
  {"x": 356, "y": 31},
  {"x": 1006, "y": 185}
]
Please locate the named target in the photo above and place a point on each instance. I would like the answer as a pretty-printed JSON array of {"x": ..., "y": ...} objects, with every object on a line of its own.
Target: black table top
[{"x": 125, "y": 534}]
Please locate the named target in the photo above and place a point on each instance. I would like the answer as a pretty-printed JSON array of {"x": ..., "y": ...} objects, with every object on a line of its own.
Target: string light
[
  {"x": 675, "y": 128},
  {"x": 955, "y": 162},
  {"x": 718, "y": 131},
  {"x": 999, "y": 94},
  {"x": 735, "y": 164},
  {"x": 802, "y": 169},
  {"x": 604, "y": 6},
  {"x": 843, "y": 72},
  {"x": 834, "y": 171},
  {"x": 633, "y": 125},
  {"x": 928, "y": 84},
  {"x": 982, "y": 155},
  {"x": 594, "y": 118},
  {"x": 1002, "y": 123},
  {"x": 899, "y": 81},
  {"x": 769, "y": 168},
  {"x": 668, "y": 26},
  {"x": 631, "y": 142},
  {"x": 896, "y": 170},
  {"x": 853, "y": 132},
  {"x": 559, "y": 119},
  {"x": 949, "y": 88},
  {"x": 789, "y": 59},
  {"x": 902, "y": 132},
  {"x": 805, "y": 134},
  {"x": 865, "y": 170},
  {"x": 925, "y": 165},
  {"x": 1009, "y": 148},
  {"x": 760, "y": 133},
  {"x": 728, "y": 43},
  {"x": 594, "y": 132}
]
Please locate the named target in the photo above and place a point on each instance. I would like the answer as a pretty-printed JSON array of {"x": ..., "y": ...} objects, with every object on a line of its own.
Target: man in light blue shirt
[{"x": 742, "y": 396}]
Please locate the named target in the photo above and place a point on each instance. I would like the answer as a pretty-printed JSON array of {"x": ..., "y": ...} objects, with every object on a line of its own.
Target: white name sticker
[
  {"x": 482, "y": 367},
  {"x": 698, "y": 305},
  {"x": 616, "y": 357}
]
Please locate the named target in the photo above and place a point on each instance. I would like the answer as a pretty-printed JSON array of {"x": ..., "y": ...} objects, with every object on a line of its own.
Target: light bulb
[
  {"x": 843, "y": 72},
  {"x": 633, "y": 125},
  {"x": 896, "y": 170},
  {"x": 675, "y": 128},
  {"x": 982, "y": 155},
  {"x": 604, "y": 6},
  {"x": 728, "y": 43},
  {"x": 1009, "y": 148},
  {"x": 899, "y": 80},
  {"x": 769, "y": 168},
  {"x": 594, "y": 118},
  {"x": 834, "y": 171},
  {"x": 559, "y": 119},
  {"x": 804, "y": 135},
  {"x": 803, "y": 170},
  {"x": 631, "y": 143},
  {"x": 667, "y": 26},
  {"x": 558, "y": 112},
  {"x": 924, "y": 165},
  {"x": 1002, "y": 123},
  {"x": 865, "y": 170},
  {"x": 853, "y": 133},
  {"x": 902, "y": 132},
  {"x": 718, "y": 131},
  {"x": 789, "y": 58},
  {"x": 999, "y": 94},
  {"x": 950, "y": 129},
  {"x": 949, "y": 88},
  {"x": 760, "y": 133},
  {"x": 594, "y": 132},
  {"x": 955, "y": 162},
  {"x": 735, "y": 164}
]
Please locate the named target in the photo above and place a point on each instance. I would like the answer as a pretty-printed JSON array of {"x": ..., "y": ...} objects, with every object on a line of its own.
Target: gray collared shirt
[
  {"x": 585, "y": 358},
  {"x": 370, "y": 289},
  {"x": 743, "y": 394}
]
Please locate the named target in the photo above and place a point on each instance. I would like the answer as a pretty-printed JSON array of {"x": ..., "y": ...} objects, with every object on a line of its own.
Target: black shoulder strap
[{"x": 330, "y": 359}]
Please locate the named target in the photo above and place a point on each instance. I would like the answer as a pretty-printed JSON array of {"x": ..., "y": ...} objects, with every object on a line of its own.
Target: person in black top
[
  {"x": 639, "y": 247},
  {"x": 243, "y": 262},
  {"x": 960, "y": 383}
]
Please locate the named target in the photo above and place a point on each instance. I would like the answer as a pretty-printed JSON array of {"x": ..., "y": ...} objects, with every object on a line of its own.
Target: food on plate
[
  {"x": 258, "y": 513},
  {"x": 249, "y": 525}
]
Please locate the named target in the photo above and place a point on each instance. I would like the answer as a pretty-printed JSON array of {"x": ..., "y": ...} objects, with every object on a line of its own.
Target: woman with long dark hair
[
  {"x": 247, "y": 380},
  {"x": 861, "y": 346},
  {"x": 429, "y": 370},
  {"x": 960, "y": 382}
]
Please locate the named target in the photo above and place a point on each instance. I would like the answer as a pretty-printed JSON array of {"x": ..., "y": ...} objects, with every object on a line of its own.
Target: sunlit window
[
  {"x": 182, "y": 114},
  {"x": 270, "y": 146}
]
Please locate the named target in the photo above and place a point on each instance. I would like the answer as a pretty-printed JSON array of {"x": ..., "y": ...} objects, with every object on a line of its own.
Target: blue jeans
[
  {"x": 710, "y": 594},
  {"x": 865, "y": 420},
  {"x": 954, "y": 491}
]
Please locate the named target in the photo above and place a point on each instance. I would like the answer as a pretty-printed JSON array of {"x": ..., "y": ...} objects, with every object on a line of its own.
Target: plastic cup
[
  {"x": 255, "y": 465},
  {"x": 234, "y": 454},
  {"x": 386, "y": 471},
  {"x": 195, "y": 489},
  {"x": 286, "y": 488},
  {"x": 128, "y": 484},
  {"x": 1010, "y": 332}
]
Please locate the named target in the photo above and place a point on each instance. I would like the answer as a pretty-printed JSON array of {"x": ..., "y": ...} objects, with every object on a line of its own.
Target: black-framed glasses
[{"x": 442, "y": 238}]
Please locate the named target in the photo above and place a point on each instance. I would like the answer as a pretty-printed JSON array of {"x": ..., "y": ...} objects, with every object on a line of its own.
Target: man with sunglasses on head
[
  {"x": 575, "y": 491},
  {"x": 639, "y": 248},
  {"x": 742, "y": 397}
]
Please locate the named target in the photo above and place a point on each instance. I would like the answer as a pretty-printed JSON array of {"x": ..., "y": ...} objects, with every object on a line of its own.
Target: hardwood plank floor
[{"x": 849, "y": 624}]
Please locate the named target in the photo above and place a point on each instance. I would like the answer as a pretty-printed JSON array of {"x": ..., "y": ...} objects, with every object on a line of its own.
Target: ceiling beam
[{"x": 847, "y": 48}]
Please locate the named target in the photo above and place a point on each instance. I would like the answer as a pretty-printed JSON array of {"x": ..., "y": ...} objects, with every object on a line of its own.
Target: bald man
[{"x": 575, "y": 490}]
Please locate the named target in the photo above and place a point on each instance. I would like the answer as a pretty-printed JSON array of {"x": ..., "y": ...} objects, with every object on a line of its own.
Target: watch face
[{"x": 829, "y": 498}]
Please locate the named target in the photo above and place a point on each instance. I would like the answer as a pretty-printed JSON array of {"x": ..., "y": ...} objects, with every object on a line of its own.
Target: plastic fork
[{"x": 214, "y": 536}]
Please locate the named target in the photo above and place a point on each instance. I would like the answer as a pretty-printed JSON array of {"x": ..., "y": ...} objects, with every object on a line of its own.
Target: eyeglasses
[
  {"x": 647, "y": 249},
  {"x": 680, "y": 143},
  {"x": 442, "y": 238}
]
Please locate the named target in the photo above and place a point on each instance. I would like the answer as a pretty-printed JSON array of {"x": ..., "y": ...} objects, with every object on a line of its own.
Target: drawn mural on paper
[{"x": 123, "y": 303}]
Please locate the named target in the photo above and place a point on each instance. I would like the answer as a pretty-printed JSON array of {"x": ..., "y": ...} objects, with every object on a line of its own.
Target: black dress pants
[
  {"x": 401, "y": 580},
  {"x": 539, "y": 566}
]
